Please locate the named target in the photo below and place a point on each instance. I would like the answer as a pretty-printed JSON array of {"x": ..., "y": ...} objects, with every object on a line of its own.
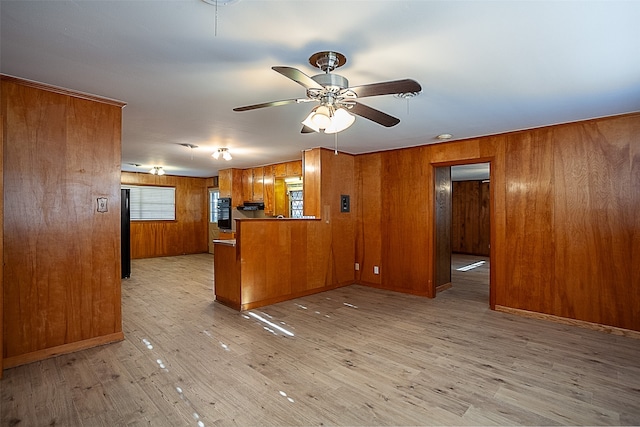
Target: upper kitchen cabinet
[
  {"x": 253, "y": 184},
  {"x": 269, "y": 190},
  {"x": 258, "y": 184},
  {"x": 294, "y": 168},
  {"x": 230, "y": 185}
]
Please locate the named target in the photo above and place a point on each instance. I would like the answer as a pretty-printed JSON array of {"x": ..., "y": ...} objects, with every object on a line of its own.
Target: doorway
[{"x": 462, "y": 228}]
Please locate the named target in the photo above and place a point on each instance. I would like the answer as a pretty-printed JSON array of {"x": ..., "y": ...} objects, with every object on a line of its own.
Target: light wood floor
[{"x": 356, "y": 356}]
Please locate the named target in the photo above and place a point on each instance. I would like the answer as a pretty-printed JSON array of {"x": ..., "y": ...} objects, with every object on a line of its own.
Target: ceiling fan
[{"x": 338, "y": 102}]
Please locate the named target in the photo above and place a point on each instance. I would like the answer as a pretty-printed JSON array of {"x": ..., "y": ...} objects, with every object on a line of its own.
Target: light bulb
[
  {"x": 322, "y": 117},
  {"x": 340, "y": 121},
  {"x": 309, "y": 123}
]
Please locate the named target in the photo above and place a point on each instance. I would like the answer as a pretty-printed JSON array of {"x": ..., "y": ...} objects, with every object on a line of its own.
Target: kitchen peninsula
[
  {"x": 271, "y": 260},
  {"x": 277, "y": 259}
]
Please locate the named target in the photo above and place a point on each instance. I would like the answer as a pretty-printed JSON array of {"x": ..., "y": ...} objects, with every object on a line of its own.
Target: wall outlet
[
  {"x": 376, "y": 269},
  {"x": 357, "y": 266}
]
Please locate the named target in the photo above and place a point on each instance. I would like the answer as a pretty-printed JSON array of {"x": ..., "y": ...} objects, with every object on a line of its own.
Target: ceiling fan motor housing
[{"x": 331, "y": 81}]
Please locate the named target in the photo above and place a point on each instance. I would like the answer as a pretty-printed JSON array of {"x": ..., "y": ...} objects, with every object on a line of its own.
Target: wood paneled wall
[
  {"x": 565, "y": 230},
  {"x": 470, "y": 219},
  {"x": 2, "y": 109},
  {"x": 188, "y": 234},
  {"x": 61, "y": 284}
]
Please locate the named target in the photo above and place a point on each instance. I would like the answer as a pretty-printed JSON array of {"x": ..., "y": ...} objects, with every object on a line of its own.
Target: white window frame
[
  {"x": 214, "y": 195},
  {"x": 152, "y": 203}
]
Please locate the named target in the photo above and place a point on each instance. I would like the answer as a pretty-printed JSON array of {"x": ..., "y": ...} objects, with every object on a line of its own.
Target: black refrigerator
[{"x": 125, "y": 250}]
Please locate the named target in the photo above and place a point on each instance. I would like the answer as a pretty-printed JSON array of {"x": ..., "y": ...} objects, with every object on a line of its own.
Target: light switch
[{"x": 344, "y": 203}]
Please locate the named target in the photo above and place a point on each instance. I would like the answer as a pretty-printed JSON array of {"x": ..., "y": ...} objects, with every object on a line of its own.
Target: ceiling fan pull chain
[
  {"x": 335, "y": 151},
  {"x": 215, "y": 24}
]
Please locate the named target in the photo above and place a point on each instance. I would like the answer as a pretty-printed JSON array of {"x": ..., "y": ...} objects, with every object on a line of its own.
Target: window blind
[{"x": 148, "y": 203}]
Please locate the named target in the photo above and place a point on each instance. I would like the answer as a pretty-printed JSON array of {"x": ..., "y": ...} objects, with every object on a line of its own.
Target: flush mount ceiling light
[
  {"x": 157, "y": 170},
  {"x": 444, "y": 136},
  {"x": 224, "y": 152},
  {"x": 339, "y": 102}
]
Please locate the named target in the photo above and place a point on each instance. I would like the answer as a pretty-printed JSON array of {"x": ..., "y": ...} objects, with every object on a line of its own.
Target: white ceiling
[{"x": 181, "y": 66}]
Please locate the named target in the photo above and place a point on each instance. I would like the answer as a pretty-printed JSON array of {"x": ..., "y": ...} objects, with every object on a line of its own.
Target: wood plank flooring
[{"x": 356, "y": 356}]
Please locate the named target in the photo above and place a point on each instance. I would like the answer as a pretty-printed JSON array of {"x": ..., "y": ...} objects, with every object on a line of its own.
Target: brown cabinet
[
  {"x": 258, "y": 184},
  {"x": 253, "y": 184},
  {"x": 268, "y": 190},
  {"x": 294, "y": 168},
  {"x": 247, "y": 185},
  {"x": 230, "y": 185},
  {"x": 282, "y": 170}
]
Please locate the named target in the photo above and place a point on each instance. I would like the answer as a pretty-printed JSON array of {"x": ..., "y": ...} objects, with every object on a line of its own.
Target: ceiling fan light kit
[
  {"x": 338, "y": 101},
  {"x": 157, "y": 170},
  {"x": 224, "y": 152}
]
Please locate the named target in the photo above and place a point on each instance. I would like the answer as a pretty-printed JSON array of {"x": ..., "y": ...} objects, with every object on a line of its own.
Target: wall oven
[{"x": 224, "y": 213}]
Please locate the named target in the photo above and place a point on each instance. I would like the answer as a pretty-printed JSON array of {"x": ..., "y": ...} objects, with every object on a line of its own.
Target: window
[
  {"x": 214, "y": 195},
  {"x": 152, "y": 203},
  {"x": 295, "y": 199}
]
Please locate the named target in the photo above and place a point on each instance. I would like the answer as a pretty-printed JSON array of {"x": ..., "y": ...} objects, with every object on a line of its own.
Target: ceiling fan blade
[
  {"x": 306, "y": 129},
  {"x": 372, "y": 114},
  {"x": 269, "y": 104},
  {"x": 298, "y": 77},
  {"x": 386, "y": 88}
]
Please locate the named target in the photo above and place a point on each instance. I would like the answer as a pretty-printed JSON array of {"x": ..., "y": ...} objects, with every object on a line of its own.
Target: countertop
[{"x": 228, "y": 242}]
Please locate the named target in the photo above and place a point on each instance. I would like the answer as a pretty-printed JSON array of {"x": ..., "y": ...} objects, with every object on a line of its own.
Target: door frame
[{"x": 492, "y": 223}]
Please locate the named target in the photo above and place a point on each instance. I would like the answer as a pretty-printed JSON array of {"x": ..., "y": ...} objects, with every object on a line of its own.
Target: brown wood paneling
[
  {"x": 529, "y": 221},
  {"x": 630, "y": 132},
  {"x": 188, "y": 234},
  {"x": 2, "y": 109},
  {"x": 312, "y": 194},
  {"x": 62, "y": 256},
  {"x": 565, "y": 225},
  {"x": 338, "y": 174},
  {"x": 470, "y": 218},
  {"x": 407, "y": 221},
  {"x": 368, "y": 210},
  {"x": 593, "y": 203}
]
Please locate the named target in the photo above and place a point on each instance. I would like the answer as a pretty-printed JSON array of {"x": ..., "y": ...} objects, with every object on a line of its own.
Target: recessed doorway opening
[{"x": 462, "y": 246}]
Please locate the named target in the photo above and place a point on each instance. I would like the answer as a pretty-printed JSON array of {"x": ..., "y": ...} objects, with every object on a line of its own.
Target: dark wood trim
[{"x": 62, "y": 91}]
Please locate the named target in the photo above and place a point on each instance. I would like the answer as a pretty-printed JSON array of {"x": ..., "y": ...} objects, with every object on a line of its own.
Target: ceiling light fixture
[
  {"x": 329, "y": 119},
  {"x": 224, "y": 152},
  {"x": 157, "y": 170},
  {"x": 444, "y": 136}
]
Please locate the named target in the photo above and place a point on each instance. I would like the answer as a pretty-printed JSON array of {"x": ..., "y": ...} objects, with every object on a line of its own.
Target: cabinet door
[
  {"x": 224, "y": 182},
  {"x": 258, "y": 184},
  {"x": 294, "y": 168},
  {"x": 269, "y": 193},
  {"x": 247, "y": 185},
  {"x": 280, "y": 170}
]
